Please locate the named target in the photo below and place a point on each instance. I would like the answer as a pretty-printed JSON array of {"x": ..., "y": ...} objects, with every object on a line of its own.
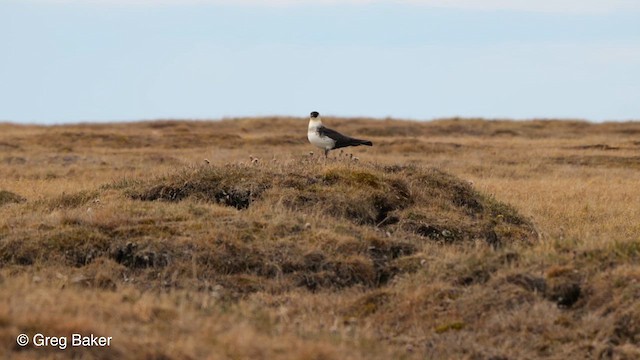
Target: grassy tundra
[{"x": 453, "y": 239}]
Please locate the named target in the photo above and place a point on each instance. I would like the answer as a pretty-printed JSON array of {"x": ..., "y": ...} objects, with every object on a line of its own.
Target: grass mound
[
  {"x": 425, "y": 202},
  {"x": 319, "y": 226},
  {"x": 268, "y": 227}
]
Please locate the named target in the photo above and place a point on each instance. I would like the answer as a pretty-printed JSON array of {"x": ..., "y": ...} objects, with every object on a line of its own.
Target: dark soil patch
[
  {"x": 133, "y": 256},
  {"x": 340, "y": 274},
  {"x": 14, "y": 160},
  {"x": 476, "y": 276},
  {"x": 8, "y": 197},
  {"x": 599, "y": 160},
  {"x": 564, "y": 290},
  {"x": 565, "y": 293},
  {"x": 595, "y": 147}
]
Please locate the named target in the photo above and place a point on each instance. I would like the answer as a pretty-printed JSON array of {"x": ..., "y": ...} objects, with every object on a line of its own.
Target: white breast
[{"x": 323, "y": 142}]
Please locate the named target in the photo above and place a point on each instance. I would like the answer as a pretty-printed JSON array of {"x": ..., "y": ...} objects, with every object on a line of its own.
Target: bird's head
[{"x": 314, "y": 119}]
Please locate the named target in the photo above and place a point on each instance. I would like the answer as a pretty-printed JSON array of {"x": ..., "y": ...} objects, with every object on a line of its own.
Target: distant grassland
[{"x": 451, "y": 239}]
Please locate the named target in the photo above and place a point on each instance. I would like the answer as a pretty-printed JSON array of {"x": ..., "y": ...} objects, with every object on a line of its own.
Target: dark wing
[{"x": 341, "y": 140}]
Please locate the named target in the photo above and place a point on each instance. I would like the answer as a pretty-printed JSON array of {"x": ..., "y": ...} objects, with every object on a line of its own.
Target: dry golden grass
[{"x": 451, "y": 239}]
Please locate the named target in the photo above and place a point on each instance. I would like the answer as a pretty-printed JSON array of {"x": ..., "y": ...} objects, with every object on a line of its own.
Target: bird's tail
[{"x": 356, "y": 142}]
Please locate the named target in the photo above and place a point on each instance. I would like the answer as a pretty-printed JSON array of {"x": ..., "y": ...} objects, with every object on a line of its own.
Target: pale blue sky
[{"x": 103, "y": 60}]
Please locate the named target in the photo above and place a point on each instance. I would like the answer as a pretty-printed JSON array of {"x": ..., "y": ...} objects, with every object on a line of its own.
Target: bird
[{"x": 328, "y": 139}]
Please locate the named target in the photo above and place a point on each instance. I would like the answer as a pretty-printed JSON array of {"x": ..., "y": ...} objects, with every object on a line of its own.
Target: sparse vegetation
[{"x": 452, "y": 239}]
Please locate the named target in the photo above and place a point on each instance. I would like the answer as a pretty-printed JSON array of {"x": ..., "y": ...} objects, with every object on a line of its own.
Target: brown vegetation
[{"x": 451, "y": 239}]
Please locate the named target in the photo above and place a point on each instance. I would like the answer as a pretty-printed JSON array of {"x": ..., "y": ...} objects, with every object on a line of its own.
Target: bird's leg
[{"x": 326, "y": 156}]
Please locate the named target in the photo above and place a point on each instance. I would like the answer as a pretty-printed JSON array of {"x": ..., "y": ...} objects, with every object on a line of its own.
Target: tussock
[
  {"x": 73, "y": 200},
  {"x": 232, "y": 185},
  {"x": 426, "y": 202}
]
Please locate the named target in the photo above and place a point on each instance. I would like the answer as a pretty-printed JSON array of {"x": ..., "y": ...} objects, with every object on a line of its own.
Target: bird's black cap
[{"x": 315, "y": 114}]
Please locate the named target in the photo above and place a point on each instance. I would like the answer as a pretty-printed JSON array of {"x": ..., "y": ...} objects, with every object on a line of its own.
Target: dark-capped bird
[{"x": 328, "y": 139}]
